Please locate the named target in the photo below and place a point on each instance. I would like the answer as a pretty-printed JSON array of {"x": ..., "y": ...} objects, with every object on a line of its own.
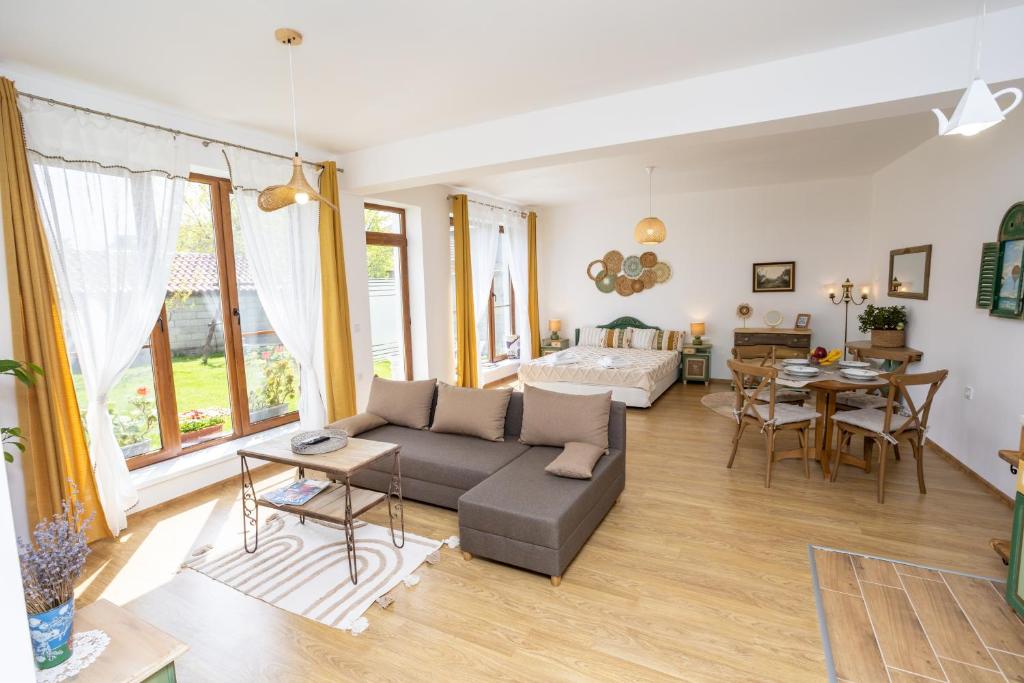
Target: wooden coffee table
[{"x": 339, "y": 503}]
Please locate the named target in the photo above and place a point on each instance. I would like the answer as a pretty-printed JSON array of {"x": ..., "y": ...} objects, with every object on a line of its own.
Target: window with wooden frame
[
  {"x": 501, "y": 309},
  {"x": 387, "y": 264},
  {"x": 198, "y": 381}
]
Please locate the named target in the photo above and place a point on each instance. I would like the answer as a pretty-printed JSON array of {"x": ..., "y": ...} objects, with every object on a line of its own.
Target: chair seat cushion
[
  {"x": 525, "y": 503},
  {"x": 785, "y": 413},
  {"x": 868, "y": 418},
  {"x": 781, "y": 395},
  {"x": 857, "y": 399},
  {"x": 454, "y": 460}
]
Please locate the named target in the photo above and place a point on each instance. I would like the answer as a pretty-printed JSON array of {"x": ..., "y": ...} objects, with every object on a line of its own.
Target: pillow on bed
[
  {"x": 642, "y": 339},
  {"x": 668, "y": 340},
  {"x": 592, "y": 336},
  {"x": 618, "y": 339}
]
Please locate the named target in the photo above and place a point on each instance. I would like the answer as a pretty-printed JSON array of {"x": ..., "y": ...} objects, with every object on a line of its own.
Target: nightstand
[
  {"x": 547, "y": 348},
  {"x": 695, "y": 364}
]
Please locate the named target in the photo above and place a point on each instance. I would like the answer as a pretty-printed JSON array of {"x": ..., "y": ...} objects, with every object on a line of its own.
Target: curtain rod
[
  {"x": 522, "y": 213},
  {"x": 207, "y": 141}
]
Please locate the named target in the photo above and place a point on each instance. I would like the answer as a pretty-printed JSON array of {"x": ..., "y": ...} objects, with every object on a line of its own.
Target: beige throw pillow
[
  {"x": 473, "y": 412},
  {"x": 576, "y": 461},
  {"x": 359, "y": 423},
  {"x": 402, "y": 403},
  {"x": 551, "y": 418}
]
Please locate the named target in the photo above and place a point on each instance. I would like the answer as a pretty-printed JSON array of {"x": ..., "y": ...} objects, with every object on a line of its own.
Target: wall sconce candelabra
[{"x": 847, "y": 298}]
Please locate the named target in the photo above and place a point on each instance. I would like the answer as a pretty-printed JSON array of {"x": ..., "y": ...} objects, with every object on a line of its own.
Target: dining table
[{"x": 826, "y": 387}]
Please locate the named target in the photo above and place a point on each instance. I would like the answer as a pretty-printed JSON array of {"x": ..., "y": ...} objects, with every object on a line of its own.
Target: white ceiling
[
  {"x": 373, "y": 72},
  {"x": 714, "y": 161}
]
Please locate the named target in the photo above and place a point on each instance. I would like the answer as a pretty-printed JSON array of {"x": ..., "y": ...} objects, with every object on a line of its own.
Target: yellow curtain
[
  {"x": 531, "y": 224},
  {"x": 339, "y": 368},
  {"x": 56, "y": 452},
  {"x": 465, "y": 366}
]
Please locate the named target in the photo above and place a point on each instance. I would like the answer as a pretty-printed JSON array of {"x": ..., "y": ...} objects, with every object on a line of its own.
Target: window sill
[
  {"x": 500, "y": 370},
  {"x": 179, "y": 476}
]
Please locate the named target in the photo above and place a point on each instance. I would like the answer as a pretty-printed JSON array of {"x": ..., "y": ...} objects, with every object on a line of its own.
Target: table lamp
[
  {"x": 554, "y": 325},
  {"x": 697, "y": 330}
]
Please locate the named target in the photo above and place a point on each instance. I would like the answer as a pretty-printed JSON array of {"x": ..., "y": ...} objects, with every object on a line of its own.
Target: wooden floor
[
  {"x": 889, "y": 621},
  {"x": 699, "y": 573}
]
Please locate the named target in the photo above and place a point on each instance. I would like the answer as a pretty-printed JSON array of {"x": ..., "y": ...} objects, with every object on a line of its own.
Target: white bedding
[{"x": 579, "y": 369}]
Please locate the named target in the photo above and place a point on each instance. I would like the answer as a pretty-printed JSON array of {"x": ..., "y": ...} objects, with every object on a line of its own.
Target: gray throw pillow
[
  {"x": 406, "y": 404},
  {"x": 358, "y": 423},
  {"x": 473, "y": 412},
  {"x": 576, "y": 461},
  {"x": 551, "y": 418}
]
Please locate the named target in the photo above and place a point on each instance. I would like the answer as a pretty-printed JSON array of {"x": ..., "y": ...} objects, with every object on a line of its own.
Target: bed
[{"x": 578, "y": 370}]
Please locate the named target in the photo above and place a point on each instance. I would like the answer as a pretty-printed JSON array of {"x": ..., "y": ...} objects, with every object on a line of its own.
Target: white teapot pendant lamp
[
  {"x": 650, "y": 230},
  {"x": 978, "y": 109}
]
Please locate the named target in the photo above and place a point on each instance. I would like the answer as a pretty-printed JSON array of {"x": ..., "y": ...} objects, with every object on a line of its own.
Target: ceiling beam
[{"x": 914, "y": 64}]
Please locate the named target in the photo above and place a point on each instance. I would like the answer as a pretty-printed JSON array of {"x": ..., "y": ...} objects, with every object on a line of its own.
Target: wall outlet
[{"x": 969, "y": 393}]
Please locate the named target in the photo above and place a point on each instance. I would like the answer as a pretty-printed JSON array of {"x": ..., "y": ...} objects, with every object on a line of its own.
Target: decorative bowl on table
[
  {"x": 795, "y": 361},
  {"x": 802, "y": 371},
  {"x": 853, "y": 364}
]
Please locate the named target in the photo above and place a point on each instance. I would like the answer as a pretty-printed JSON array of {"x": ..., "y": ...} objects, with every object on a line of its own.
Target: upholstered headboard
[{"x": 621, "y": 324}]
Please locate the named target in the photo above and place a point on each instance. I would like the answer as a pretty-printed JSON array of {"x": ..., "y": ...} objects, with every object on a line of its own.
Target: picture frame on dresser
[
  {"x": 803, "y": 321},
  {"x": 775, "y": 276}
]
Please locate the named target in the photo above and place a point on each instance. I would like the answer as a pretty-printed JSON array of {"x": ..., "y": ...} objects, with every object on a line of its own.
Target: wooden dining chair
[
  {"x": 871, "y": 398},
  {"x": 769, "y": 416},
  {"x": 764, "y": 355},
  {"x": 901, "y": 419}
]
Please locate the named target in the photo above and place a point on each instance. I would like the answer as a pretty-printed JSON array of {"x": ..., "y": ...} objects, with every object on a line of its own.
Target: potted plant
[
  {"x": 26, "y": 373},
  {"x": 132, "y": 429},
  {"x": 50, "y": 565},
  {"x": 887, "y": 325},
  {"x": 198, "y": 425},
  {"x": 271, "y": 399}
]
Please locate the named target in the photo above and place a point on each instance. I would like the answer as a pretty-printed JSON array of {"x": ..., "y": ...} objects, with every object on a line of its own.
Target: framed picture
[
  {"x": 1009, "y": 290},
  {"x": 775, "y": 277},
  {"x": 803, "y": 321}
]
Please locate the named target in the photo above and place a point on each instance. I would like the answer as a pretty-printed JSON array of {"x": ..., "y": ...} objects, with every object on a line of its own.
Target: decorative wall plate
[
  {"x": 613, "y": 261},
  {"x": 607, "y": 283},
  {"x": 637, "y": 285},
  {"x": 648, "y": 278},
  {"x": 632, "y": 267},
  {"x": 662, "y": 272},
  {"x": 648, "y": 259},
  {"x": 623, "y": 285},
  {"x": 600, "y": 273},
  {"x": 773, "y": 318}
]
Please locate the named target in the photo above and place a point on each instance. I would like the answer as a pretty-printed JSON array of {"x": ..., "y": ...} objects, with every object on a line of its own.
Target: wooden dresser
[{"x": 788, "y": 342}]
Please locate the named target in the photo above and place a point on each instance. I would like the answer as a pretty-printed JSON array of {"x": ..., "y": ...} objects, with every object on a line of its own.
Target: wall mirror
[{"x": 909, "y": 270}]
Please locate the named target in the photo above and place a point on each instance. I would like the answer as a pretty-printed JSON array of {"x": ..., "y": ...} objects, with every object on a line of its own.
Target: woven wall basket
[{"x": 888, "y": 339}]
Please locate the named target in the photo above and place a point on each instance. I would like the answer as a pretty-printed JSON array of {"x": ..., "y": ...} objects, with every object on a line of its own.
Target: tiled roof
[{"x": 197, "y": 272}]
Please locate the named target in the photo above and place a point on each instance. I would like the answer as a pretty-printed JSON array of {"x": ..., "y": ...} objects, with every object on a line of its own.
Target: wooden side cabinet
[{"x": 695, "y": 365}]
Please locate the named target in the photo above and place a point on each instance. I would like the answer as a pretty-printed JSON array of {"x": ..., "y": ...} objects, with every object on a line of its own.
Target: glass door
[{"x": 387, "y": 270}]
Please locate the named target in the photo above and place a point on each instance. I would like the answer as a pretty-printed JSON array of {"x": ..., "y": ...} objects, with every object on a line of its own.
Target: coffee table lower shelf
[{"x": 329, "y": 504}]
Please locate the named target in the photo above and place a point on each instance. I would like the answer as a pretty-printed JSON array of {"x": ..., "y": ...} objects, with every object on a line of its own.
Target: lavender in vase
[{"x": 50, "y": 565}]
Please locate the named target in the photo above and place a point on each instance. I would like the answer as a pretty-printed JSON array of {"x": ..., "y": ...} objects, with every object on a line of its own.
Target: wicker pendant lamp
[
  {"x": 650, "y": 230},
  {"x": 297, "y": 190}
]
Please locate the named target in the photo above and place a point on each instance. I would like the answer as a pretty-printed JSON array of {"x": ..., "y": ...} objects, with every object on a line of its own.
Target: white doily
[{"x": 85, "y": 648}]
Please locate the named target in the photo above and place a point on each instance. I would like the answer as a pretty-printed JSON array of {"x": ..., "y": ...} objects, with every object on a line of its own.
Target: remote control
[{"x": 313, "y": 440}]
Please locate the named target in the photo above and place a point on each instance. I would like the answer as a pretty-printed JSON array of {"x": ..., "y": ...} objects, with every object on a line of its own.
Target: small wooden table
[
  {"x": 904, "y": 355},
  {"x": 339, "y": 503},
  {"x": 137, "y": 652}
]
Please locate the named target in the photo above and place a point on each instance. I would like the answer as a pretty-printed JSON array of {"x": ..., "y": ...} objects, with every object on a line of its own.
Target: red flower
[
  {"x": 142, "y": 391},
  {"x": 265, "y": 355}
]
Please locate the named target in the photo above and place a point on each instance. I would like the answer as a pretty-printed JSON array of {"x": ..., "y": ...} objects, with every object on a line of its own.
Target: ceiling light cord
[
  {"x": 295, "y": 118},
  {"x": 979, "y": 35},
  {"x": 650, "y": 190}
]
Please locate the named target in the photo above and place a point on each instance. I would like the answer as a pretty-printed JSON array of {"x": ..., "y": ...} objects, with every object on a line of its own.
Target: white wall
[
  {"x": 952, "y": 193},
  {"x": 713, "y": 240}
]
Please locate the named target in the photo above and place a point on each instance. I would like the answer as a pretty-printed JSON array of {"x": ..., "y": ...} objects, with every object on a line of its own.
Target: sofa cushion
[
  {"x": 402, "y": 403},
  {"x": 472, "y": 412},
  {"x": 551, "y": 418},
  {"x": 525, "y": 503},
  {"x": 576, "y": 460},
  {"x": 358, "y": 423},
  {"x": 454, "y": 460}
]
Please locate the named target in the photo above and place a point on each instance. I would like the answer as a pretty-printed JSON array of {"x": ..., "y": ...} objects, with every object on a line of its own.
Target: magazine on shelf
[{"x": 297, "y": 493}]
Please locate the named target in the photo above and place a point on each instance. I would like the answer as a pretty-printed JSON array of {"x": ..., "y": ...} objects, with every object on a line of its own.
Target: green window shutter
[{"x": 987, "y": 275}]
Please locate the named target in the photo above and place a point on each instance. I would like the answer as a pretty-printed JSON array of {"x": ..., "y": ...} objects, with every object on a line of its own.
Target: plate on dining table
[
  {"x": 802, "y": 371},
  {"x": 795, "y": 361},
  {"x": 854, "y": 364},
  {"x": 859, "y": 373}
]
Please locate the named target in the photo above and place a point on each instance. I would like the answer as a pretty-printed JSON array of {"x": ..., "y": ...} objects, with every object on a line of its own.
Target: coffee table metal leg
[
  {"x": 301, "y": 475},
  {"x": 250, "y": 509},
  {"x": 395, "y": 502},
  {"x": 350, "y": 536}
]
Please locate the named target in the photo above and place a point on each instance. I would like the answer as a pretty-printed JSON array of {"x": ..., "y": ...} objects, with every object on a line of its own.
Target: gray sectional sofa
[{"x": 510, "y": 509}]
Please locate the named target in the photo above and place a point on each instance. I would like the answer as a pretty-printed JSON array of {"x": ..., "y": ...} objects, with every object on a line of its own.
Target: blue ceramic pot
[{"x": 51, "y": 634}]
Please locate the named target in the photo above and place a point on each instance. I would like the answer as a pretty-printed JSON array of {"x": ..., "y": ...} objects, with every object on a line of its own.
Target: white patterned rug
[{"x": 303, "y": 568}]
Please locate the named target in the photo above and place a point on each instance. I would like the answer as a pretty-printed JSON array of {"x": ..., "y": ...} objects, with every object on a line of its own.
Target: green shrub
[{"x": 883, "y": 318}]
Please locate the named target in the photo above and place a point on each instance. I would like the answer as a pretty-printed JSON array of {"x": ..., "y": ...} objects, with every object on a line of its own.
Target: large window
[
  {"x": 199, "y": 381},
  {"x": 501, "y": 318},
  {"x": 387, "y": 269}
]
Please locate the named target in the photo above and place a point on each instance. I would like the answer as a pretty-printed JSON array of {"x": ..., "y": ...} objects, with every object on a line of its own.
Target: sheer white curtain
[
  {"x": 283, "y": 248},
  {"x": 484, "y": 226},
  {"x": 110, "y": 195},
  {"x": 516, "y": 246}
]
